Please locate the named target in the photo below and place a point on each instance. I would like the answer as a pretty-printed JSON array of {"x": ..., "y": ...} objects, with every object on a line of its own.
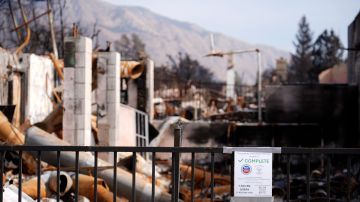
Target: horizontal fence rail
[{"x": 328, "y": 160}]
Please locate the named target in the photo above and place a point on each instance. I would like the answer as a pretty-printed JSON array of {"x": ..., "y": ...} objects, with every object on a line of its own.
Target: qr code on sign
[{"x": 262, "y": 190}]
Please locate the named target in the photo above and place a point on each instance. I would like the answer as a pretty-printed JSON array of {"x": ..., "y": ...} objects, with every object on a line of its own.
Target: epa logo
[{"x": 246, "y": 169}]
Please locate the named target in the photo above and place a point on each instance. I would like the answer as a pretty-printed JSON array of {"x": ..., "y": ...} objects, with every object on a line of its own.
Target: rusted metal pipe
[
  {"x": 38, "y": 137},
  {"x": 202, "y": 176},
  {"x": 28, "y": 31},
  {"x": 131, "y": 69},
  {"x": 58, "y": 65},
  {"x": 86, "y": 188},
  {"x": 11, "y": 135},
  {"x": 30, "y": 188},
  {"x": 65, "y": 182},
  {"x": 8, "y": 133}
]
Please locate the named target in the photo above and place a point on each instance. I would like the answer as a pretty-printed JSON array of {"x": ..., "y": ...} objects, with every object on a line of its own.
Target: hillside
[{"x": 164, "y": 36}]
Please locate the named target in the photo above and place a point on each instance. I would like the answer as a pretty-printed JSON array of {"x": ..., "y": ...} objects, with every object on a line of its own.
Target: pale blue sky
[{"x": 270, "y": 22}]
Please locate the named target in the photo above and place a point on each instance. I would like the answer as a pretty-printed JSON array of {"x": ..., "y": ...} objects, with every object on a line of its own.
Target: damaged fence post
[{"x": 176, "y": 159}]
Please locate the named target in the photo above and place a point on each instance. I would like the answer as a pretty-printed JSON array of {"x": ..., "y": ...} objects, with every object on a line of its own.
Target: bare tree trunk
[{"x": 51, "y": 26}]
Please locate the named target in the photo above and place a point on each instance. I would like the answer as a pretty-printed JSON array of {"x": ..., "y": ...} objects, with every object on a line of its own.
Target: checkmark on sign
[{"x": 240, "y": 160}]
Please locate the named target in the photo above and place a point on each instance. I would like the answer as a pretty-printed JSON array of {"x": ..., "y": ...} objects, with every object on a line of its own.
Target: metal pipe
[
  {"x": 28, "y": 31},
  {"x": 87, "y": 188},
  {"x": 12, "y": 136},
  {"x": 58, "y": 65},
  {"x": 38, "y": 137},
  {"x": 131, "y": 69},
  {"x": 31, "y": 188},
  {"x": 259, "y": 85},
  {"x": 65, "y": 182}
]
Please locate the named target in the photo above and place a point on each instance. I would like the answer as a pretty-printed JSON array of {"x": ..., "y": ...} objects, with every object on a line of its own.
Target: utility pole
[{"x": 259, "y": 69}]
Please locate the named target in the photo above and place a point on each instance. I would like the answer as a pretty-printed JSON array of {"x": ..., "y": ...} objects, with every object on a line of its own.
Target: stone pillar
[
  {"x": 150, "y": 89},
  {"x": 77, "y": 91},
  {"x": 108, "y": 100}
]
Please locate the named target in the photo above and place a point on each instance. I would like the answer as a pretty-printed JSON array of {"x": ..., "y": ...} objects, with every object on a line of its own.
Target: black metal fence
[{"x": 285, "y": 158}]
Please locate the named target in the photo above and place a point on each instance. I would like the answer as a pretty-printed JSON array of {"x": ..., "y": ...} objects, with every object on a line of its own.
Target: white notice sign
[{"x": 253, "y": 174}]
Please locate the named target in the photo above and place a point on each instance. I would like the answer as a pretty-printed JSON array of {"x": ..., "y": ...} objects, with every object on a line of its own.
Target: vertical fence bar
[
  {"x": 308, "y": 178},
  {"x": 133, "y": 194},
  {"x": 58, "y": 176},
  {"x": 38, "y": 176},
  {"x": 2, "y": 153},
  {"x": 348, "y": 160},
  {"x": 212, "y": 176},
  {"x": 137, "y": 122},
  {"x": 328, "y": 170},
  {"x": 172, "y": 176},
  {"x": 288, "y": 177},
  {"x": 153, "y": 177},
  {"x": 95, "y": 175},
  {"x": 20, "y": 176},
  {"x": 147, "y": 134},
  {"x": 76, "y": 176},
  {"x": 176, "y": 154},
  {"x": 115, "y": 175},
  {"x": 176, "y": 176},
  {"x": 232, "y": 173},
  {"x": 192, "y": 176}
]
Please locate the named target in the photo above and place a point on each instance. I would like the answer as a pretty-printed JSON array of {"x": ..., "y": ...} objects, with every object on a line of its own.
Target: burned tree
[
  {"x": 326, "y": 53},
  {"x": 131, "y": 48},
  {"x": 189, "y": 72}
]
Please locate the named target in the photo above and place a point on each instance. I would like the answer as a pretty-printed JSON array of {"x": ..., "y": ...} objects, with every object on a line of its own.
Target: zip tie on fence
[{"x": 274, "y": 150}]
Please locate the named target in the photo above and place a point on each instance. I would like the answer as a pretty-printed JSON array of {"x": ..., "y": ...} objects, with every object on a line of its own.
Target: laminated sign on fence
[{"x": 253, "y": 174}]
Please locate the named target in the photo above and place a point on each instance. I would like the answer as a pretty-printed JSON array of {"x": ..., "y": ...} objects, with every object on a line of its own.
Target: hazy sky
[{"x": 270, "y": 22}]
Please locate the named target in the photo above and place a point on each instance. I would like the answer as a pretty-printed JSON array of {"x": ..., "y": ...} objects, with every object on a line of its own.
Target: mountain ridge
[{"x": 164, "y": 36}]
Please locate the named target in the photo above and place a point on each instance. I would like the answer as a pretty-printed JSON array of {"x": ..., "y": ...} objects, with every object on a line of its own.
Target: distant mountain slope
[{"x": 164, "y": 36}]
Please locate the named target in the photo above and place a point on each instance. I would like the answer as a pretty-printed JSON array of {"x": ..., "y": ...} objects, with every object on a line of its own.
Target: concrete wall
[
  {"x": 77, "y": 91},
  {"x": 38, "y": 74},
  {"x": 127, "y": 125},
  {"x": 40, "y": 82}
]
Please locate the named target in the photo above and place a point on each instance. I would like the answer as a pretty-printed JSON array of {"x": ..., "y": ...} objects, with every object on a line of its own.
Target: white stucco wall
[
  {"x": 127, "y": 136},
  {"x": 40, "y": 82}
]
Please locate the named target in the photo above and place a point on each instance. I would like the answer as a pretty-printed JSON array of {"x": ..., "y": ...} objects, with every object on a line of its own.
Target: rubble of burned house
[
  {"x": 76, "y": 102},
  {"x": 84, "y": 99}
]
